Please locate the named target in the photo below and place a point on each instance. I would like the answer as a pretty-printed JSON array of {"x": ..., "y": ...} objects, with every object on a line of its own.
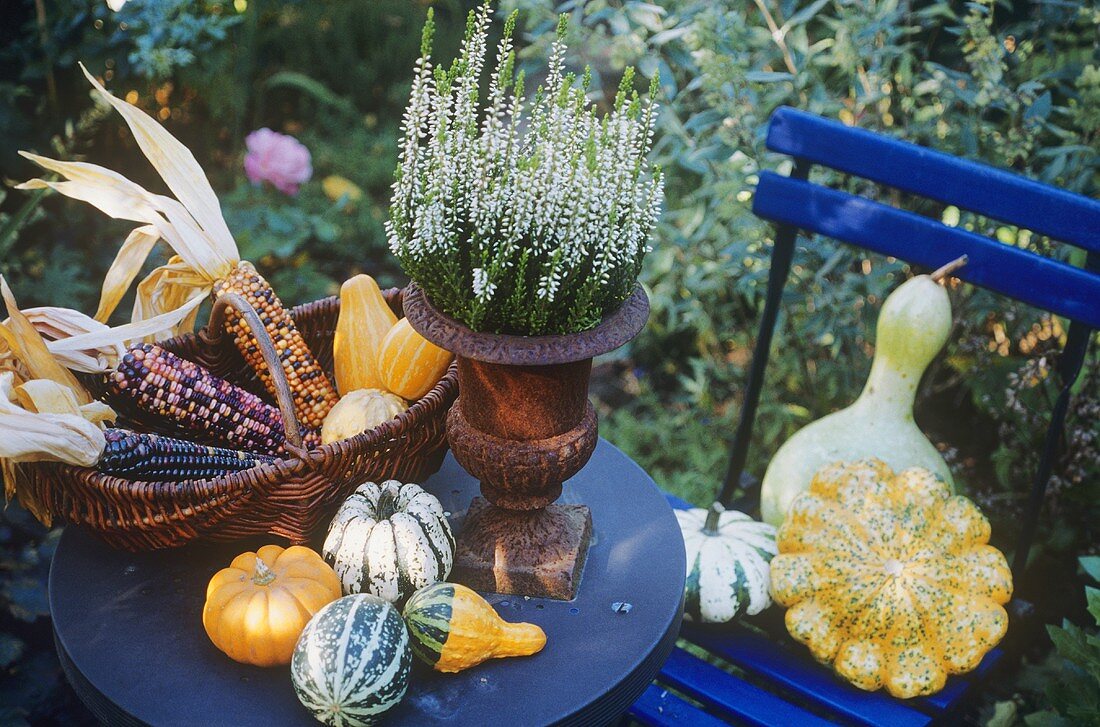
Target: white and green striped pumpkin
[
  {"x": 389, "y": 540},
  {"x": 352, "y": 661},
  {"x": 728, "y": 556}
]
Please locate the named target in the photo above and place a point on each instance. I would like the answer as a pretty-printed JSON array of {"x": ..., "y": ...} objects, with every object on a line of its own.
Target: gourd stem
[
  {"x": 710, "y": 527},
  {"x": 949, "y": 268},
  {"x": 387, "y": 505},
  {"x": 262, "y": 575}
]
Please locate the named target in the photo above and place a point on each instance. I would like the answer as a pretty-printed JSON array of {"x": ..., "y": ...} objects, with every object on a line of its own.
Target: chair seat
[{"x": 775, "y": 681}]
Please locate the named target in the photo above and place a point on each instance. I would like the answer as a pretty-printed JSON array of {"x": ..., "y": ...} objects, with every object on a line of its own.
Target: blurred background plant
[{"x": 1016, "y": 85}]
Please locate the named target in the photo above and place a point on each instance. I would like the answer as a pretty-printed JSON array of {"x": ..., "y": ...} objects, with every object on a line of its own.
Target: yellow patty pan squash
[
  {"x": 890, "y": 578},
  {"x": 257, "y": 607}
]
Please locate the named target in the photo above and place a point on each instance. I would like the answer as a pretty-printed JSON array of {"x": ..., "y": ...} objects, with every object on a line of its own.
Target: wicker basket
[{"x": 290, "y": 498}]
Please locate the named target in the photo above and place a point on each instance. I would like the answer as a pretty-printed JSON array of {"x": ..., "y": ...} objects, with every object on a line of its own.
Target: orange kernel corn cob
[{"x": 314, "y": 395}]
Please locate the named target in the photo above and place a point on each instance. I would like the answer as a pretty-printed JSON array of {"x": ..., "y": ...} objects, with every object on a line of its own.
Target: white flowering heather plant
[{"x": 525, "y": 216}]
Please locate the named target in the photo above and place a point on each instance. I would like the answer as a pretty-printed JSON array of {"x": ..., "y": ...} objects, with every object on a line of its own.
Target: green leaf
[
  {"x": 1091, "y": 564},
  {"x": 1039, "y": 109},
  {"x": 1069, "y": 641},
  {"x": 1092, "y": 596},
  {"x": 313, "y": 88},
  {"x": 768, "y": 76},
  {"x": 1046, "y": 718},
  {"x": 805, "y": 14},
  {"x": 1004, "y": 714}
]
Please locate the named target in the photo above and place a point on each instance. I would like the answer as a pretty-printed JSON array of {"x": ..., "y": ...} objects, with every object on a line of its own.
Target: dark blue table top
[{"x": 129, "y": 626}]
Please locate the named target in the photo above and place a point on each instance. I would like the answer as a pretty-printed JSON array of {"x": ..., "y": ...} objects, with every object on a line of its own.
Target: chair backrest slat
[
  {"x": 1017, "y": 273},
  {"x": 970, "y": 185}
]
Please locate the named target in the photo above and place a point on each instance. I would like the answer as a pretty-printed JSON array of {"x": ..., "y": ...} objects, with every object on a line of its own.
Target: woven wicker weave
[{"x": 291, "y": 498}]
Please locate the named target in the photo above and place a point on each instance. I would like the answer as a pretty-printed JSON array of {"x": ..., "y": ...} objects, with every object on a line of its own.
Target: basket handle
[{"x": 216, "y": 328}]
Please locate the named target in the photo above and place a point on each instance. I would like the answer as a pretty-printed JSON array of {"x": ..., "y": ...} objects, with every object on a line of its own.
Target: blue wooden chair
[{"x": 779, "y": 683}]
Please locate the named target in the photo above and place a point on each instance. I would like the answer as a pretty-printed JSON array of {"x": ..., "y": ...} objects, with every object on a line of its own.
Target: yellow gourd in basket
[
  {"x": 409, "y": 364},
  {"x": 364, "y": 321}
]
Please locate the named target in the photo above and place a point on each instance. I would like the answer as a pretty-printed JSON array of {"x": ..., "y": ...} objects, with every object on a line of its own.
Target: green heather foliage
[{"x": 525, "y": 216}]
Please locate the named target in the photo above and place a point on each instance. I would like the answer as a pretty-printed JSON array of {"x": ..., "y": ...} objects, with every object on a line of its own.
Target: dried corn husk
[
  {"x": 95, "y": 348},
  {"x": 127, "y": 264},
  {"x": 45, "y": 412},
  {"x": 26, "y": 344},
  {"x": 191, "y": 224},
  {"x": 58, "y": 429},
  {"x": 49, "y": 397},
  {"x": 35, "y": 436},
  {"x": 80, "y": 343}
]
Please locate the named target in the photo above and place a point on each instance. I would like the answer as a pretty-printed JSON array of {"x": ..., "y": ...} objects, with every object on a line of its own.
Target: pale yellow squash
[{"x": 360, "y": 411}]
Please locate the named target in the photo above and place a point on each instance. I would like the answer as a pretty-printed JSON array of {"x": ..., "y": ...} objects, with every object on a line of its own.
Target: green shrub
[
  {"x": 1074, "y": 695},
  {"x": 1012, "y": 87}
]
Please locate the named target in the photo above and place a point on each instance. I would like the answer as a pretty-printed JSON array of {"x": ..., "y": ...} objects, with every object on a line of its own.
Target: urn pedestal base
[
  {"x": 516, "y": 540},
  {"x": 533, "y": 553}
]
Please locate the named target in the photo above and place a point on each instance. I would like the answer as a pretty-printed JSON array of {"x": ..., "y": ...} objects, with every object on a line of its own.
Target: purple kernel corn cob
[
  {"x": 161, "y": 383},
  {"x": 141, "y": 456}
]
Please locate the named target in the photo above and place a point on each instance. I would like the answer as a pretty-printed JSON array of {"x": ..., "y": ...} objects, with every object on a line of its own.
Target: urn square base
[{"x": 534, "y": 553}]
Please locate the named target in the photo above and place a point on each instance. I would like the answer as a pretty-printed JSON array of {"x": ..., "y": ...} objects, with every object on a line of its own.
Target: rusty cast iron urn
[{"x": 523, "y": 425}]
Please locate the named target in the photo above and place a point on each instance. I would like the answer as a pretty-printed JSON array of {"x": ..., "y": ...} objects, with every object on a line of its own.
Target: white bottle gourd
[{"x": 913, "y": 326}]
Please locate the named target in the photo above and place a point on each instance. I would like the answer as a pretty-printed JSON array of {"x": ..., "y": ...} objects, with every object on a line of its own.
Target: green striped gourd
[
  {"x": 727, "y": 563},
  {"x": 389, "y": 540},
  {"x": 352, "y": 661},
  {"x": 453, "y": 628}
]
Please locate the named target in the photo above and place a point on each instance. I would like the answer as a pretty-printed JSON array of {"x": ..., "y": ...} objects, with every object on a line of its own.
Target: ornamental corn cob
[
  {"x": 160, "y": 382},
  {"x": 153, "y": 457},
  {"x": 314, "y": 394}
]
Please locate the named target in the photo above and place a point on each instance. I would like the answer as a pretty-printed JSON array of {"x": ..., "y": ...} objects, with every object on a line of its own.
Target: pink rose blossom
[{"x": 277, "y": 158}]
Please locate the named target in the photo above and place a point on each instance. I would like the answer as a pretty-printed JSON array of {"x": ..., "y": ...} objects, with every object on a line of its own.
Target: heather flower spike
[{"x": 519, "y": 215}]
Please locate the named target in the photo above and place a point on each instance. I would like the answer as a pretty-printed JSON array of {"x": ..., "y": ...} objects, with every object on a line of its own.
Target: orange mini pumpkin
[
  {"x": 257, "y": 607},
  {"x": 408, "y": 364}
]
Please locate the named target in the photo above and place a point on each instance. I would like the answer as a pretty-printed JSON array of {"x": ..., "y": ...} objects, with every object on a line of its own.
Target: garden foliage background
[{"x": 1016, "y": 85}]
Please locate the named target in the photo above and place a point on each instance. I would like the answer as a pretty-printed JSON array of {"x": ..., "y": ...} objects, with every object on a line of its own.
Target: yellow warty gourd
[
  {"x": 364, "y": 321},
  {"x": 453, "y": 628},
  {"x": 890, "y": 578},
  {"x": 410, "y": 365}
]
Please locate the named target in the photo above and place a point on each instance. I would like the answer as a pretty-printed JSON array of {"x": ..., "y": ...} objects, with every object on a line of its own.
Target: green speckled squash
[
  {"x": 352, "y": 661},
  {"x": 890, "y": 578},
  {"x": 727, "y": 563}
]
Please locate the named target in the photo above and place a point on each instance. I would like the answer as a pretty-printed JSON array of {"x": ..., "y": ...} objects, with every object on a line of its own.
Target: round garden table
[{"x": 129, "y": 629}]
